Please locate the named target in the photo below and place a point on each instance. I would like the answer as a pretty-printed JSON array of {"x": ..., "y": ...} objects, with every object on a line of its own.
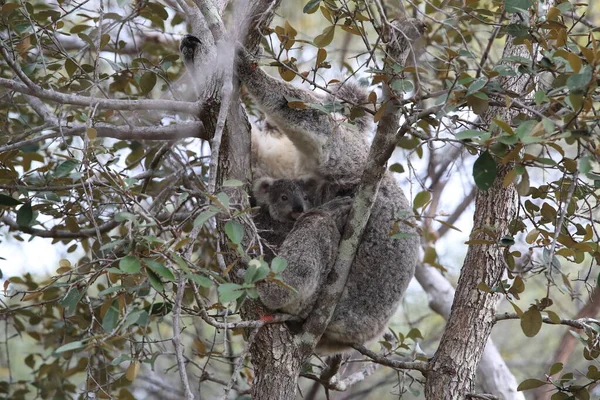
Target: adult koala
[{"x": 336, "y": 153}]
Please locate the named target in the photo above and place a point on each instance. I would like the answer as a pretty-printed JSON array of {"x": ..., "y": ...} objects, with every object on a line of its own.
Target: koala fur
[
  {"x": 334, "y": 152},
  {"x": 383, "y": 266},
  {"x": 281, "y": 202}
]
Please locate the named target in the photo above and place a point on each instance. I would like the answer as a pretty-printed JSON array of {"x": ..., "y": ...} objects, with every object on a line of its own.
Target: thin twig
[
  {"x": 581, "y": 323},
  {"x": 177, "y": 339},
  {"x": 240, "y": 362},
  {"x": 421, "y": 366},
  {"x": 560, "y": 221},
  {"x": 269, "y": 319}
]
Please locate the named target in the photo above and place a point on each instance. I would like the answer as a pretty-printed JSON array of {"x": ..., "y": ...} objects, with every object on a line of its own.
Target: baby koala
[{"x": 281, "y": 202}]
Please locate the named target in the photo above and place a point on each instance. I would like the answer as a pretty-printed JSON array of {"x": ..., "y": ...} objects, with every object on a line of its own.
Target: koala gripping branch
[{"x": 381, "y": 150}]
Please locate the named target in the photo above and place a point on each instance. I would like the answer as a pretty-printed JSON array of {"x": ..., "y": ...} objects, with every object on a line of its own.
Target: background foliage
[{"x": 119, "y": 186}]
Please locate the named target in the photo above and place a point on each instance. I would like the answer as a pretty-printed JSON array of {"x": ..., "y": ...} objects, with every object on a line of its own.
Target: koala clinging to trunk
[{"x": 335, "y": 153}]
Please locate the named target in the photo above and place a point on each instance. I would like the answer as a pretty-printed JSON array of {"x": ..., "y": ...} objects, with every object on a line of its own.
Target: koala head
[{"x": 285, "y": 199}]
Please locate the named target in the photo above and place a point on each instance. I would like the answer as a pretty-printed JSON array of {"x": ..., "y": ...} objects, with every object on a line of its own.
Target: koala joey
[
  {"x": 335, "y": 153},
  {"x": 281, "y": 202}
]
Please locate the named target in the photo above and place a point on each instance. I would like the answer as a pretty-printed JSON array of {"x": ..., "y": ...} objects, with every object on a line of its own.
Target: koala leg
[{"x": 310, "y": 250}]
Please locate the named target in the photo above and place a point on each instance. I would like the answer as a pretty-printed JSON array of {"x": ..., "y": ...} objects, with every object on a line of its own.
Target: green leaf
[
  {"x": 255, "y": 272},
  {"x": 147, "y": 81},
  {"x": 477, "y": 85},
  {"x": 326, "y": 37},
  {"x": 580, "y": 80},
  {"x": 397, "y": 168},
  {"x": 278, "y": 265},
  {"x": 229, "y": 292},
  {"x": 403, "y": 85},
  {"x": 25, "y": 215},
  {"x": 414, "y": 334},
  {"x": 203, "y": 217},
  {"x": 112, "y": 289},
  {"x": 159, "y": 269},
  {"x": 200, "y": 280},
  {"x": 10, "y": 201},
  {"x": 528, "y": 384},
  {"x": 135, "y": 317},
  {"x": 531, "y": 321},
  {"x": 234, "y": 231},
  {"x": 125, "y": 216},
  {"x": 70, "y": 301},
  {"x": 484, "y": 171},
  {"x": 181, "y": 263},
  {"x": 111, "y": 318},
  {"x": 469, "y": 134},
  {"x": 130, "y": 264},
  {"x": 224, "y": 199},
  {"x": 71, "y": 67},
  {"x": 70, "y": 346},
  {"x": 155, "y": 281},
  {"x": 158, "y": 10},
  {"x": 421, "y": 199},
  {"x": 513, "y": 6},
  {"x": 447, "y": 224},
  {"x": 556, "y": 368},
  {"x": 65, "y": 168},
  {"x": 311, "y": 7}
]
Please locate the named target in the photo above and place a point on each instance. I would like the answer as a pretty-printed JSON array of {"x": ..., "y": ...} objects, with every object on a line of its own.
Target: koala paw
[
  {"x": 188, "y": 46},
  {"x": 246, "y": 62},
  {"x": 338, "y": 210}
]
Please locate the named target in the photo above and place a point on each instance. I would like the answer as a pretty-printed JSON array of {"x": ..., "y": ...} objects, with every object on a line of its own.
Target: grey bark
[
  {"x": 493, "y": 374},
  {"x": 473, "y": 311}
]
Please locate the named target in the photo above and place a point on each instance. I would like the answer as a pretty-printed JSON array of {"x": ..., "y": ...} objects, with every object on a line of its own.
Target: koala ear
[
  {"x": 311, "y": 185},
  {"x": 260, "y": 189}
]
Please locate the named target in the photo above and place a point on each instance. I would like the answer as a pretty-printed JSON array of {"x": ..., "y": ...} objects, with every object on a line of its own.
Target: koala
[
  {"x": 335, "y": 153},
  {"x": 281, "y": 202}
]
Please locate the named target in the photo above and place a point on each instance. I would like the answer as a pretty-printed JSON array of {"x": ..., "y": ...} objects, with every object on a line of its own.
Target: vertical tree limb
[{"x": 473, "y": 311}]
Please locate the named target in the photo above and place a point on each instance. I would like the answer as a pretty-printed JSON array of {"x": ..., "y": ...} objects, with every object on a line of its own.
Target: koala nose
[{"x": 298, "y": 207}]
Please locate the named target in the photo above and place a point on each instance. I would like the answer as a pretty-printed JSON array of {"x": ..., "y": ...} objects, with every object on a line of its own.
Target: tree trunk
[
  {"x": 493, "y": 373},
  {"x": 473, "y": 311},
  {"x": 277, "y": 363}
]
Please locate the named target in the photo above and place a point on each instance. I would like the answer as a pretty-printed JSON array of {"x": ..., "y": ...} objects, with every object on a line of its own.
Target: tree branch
[
  {"x": 580, "y": 323},
  {"x": 177, "y": 339},
  {"x": 162, "y": 133},
  {"x": 112, "y": 104},
  {"x": 421, "y": 366},
  {"x": 60, "y": 233}
]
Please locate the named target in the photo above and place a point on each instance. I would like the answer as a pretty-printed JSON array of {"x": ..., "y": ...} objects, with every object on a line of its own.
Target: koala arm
[
  {"x": 310, "y": 250},
  {"x": 306, "y": 128}
]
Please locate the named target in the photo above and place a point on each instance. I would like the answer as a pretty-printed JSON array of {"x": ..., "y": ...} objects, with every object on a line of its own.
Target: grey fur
[
  {"x": 382, "y": 267},
  {"x": 281, "y": 202},
  {"x": 335, "y": 154}
]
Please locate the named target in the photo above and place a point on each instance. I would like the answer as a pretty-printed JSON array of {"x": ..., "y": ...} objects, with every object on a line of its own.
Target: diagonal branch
[{"x": 383, "y": 145}]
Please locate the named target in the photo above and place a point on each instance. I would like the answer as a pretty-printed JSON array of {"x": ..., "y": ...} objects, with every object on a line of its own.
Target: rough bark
[
  {"x": 473, "y": 312},
  {"x": 493, "y": 374}
]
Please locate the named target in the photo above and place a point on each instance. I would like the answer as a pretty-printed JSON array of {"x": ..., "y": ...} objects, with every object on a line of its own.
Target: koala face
[{"x": 285, "y": 199}]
